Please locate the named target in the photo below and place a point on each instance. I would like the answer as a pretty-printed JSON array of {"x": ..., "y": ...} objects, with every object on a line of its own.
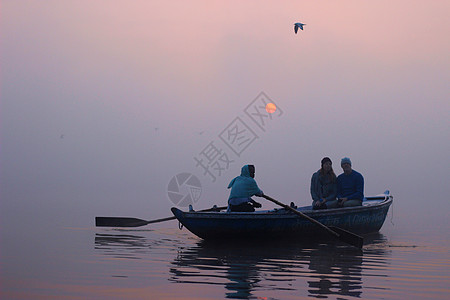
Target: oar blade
[
  {"x": 134, "y": 222},
  {"x": 348, "y": 237},
  {"x": 119, "y": 222}
]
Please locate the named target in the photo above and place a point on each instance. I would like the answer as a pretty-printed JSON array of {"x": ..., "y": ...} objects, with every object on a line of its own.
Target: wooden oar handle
[
  {"x": 173, "y": 218},
  {"x": 301, "y": 215},
  {"x": 161, "y": 220},
  {"x": 340, "y": 233}
]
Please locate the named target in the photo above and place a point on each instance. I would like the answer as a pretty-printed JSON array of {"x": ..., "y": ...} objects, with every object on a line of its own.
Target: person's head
[
  {"x": 248, "y": 171},
  {"x": 326, "y": 164},
  {"x": 326, "y": 168},
  {"x": 251, "y": 169},
  {"x": 346, "y": 165}
]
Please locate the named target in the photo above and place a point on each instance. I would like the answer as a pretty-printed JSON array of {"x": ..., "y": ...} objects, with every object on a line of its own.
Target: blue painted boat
[{"x": 364, "y": 219}]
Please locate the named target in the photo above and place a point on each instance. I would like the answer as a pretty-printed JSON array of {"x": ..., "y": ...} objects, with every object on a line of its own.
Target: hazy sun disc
[{"x": 271, "y": 108}]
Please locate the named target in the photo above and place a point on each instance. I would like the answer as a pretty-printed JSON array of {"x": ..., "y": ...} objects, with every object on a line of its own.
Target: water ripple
[{"x": 249, "y": 269}]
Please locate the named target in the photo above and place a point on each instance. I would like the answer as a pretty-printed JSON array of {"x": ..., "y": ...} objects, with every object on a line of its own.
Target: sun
[{"x": 271, "y": 108}]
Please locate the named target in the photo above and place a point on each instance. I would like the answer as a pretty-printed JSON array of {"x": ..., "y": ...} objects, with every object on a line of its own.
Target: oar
[
  {"x": 134, "y": 222},
  {"x": 374, "y": 198},
  {"x": 341, "y": 234}
]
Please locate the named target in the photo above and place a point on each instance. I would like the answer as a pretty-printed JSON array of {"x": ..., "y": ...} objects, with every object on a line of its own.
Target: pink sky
[{"x": 107, "y": 73}]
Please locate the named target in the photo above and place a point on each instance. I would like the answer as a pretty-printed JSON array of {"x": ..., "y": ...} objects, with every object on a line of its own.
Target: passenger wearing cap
[
  {"x": 323, "y": 186},
  {"x": 350, "y": 185},
  {"x": 243, "y": 188}
]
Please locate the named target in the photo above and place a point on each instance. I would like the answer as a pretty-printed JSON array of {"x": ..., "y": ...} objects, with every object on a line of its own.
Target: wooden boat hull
[{"x": 281, "y": 223}]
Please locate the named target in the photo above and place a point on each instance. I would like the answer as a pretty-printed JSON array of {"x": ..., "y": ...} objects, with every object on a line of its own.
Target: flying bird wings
[{"x": 297, "y": 26}]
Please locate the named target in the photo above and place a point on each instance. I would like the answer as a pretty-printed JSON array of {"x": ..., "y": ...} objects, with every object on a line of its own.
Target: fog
[{"x": 102, "y": 102}]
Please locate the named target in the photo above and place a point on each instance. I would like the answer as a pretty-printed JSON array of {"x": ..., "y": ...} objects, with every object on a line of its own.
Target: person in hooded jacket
[{"x": 243, "y": 188}]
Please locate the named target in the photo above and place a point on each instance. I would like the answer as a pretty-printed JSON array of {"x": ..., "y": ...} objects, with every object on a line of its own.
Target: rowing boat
[{"x": 364, "y": 219}]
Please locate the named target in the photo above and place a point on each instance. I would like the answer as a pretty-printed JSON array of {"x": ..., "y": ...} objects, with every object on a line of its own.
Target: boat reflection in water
[
  {"x": 122, "y": 245},
  {"x": 264, "y": 268},
  {"x": 251, "y": 269}
]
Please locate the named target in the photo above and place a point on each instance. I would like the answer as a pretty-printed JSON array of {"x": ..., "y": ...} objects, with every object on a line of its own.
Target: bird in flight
[{"x": 297, "y": 26}]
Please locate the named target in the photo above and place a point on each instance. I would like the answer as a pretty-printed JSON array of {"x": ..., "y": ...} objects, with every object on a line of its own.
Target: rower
[{"x": 243, "y": 187}]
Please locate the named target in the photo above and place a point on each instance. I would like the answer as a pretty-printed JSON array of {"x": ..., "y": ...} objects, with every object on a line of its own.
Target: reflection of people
[
  {"x": 350, "y": 185},
  {"x": 243, "y": 188},
  {"x": 333, "y": 275},
  {"x": 323, "y": 186},
  {"x": 224, "y": 264},
  {"x": 306, "y": 267},
  {"x": 242, "y": 276}
]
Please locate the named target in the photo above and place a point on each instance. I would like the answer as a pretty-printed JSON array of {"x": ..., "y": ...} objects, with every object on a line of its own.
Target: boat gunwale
[{"x": 281, "y": 213}]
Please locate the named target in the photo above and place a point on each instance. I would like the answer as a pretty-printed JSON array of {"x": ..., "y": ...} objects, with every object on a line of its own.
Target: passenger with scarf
[{"x": 324, "y": 187}]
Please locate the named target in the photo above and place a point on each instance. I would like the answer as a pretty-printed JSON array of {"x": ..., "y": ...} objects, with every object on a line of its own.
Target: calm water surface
[{"x": 162, "y": 262}]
